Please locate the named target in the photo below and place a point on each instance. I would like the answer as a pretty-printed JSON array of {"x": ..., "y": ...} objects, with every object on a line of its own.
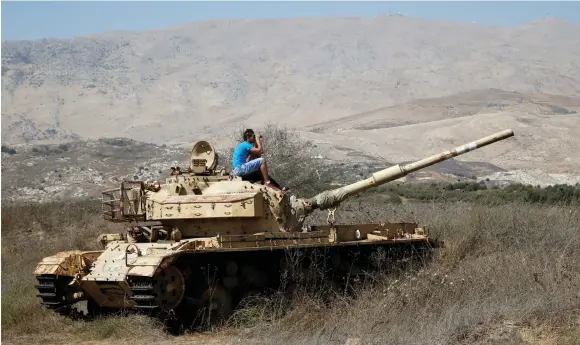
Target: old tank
[{"x": 202, "y": 240}]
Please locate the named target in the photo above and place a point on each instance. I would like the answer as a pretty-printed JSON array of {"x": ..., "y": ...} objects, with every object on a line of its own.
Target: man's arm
[{"x": 257, "y": 151}]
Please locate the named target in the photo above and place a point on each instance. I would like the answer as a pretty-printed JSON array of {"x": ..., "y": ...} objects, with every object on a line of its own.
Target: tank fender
[
  {"x": 147, "y": 265},
  {"x": 148, "y": 259},
  {"x": 67, "y": 263}
]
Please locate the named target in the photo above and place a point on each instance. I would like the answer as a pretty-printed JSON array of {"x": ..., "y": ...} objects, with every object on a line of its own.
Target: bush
[
  {"x": 9, "y": 150},
  {"x": 290, "y": 158},
  {"x": 50, "y": 149}
]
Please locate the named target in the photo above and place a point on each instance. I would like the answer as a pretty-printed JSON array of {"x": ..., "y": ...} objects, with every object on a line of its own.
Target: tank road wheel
[
  {"x": 164, "y": 292},
  {"x": 217, "y": 302}
]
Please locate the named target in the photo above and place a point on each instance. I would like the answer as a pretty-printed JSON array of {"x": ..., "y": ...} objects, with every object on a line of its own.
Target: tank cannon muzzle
[{"x": 331, "y": 198}]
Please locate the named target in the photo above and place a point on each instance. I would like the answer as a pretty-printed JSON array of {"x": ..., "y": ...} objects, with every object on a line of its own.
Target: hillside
[
  {"x": 82, "y": 169},
  {"x": 172, "y": 84},
  {"x": 546, "y": 128},
  {"x": 372, "y": 91}
]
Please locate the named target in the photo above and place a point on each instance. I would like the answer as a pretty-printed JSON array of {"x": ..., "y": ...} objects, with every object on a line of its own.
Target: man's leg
[
  {"x": 264, "y": 171},
  {"x": 253, "y": 166},
  {"x": 249, "y": 167}
]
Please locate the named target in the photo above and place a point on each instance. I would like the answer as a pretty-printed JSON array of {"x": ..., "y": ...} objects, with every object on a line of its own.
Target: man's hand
[{"x": 257, "y": 151}]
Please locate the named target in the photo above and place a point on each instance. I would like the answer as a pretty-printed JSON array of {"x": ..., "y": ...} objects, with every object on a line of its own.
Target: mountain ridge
[
  {"x": 391, "y": 88},
  {"x": 296, "y": 71}
]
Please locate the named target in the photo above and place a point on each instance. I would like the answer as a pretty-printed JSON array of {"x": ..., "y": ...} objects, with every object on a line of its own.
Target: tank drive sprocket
[{"x": 162, "y": 292}]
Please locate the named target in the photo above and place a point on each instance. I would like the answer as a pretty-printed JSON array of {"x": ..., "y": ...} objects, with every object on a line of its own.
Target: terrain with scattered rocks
[{"x": 370, "y": 91}]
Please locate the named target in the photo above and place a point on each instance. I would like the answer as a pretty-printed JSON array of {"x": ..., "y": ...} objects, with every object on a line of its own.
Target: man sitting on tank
[{"x": 247, "y": 158}]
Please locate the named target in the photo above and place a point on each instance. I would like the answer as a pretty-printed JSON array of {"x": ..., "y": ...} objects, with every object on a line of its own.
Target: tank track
[
  {"x": 143, "y": 294},
  {"x": 53, "y": 292}
]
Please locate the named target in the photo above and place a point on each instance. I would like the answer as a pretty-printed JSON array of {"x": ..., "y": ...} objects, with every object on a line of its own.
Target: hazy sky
[{"x": 33, "y": 20}]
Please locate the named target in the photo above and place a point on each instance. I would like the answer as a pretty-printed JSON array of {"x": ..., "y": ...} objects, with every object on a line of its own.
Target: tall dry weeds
[
  {"x": 31, "y": 232},
  {"x": 507, "y": 272},
  {"x": 504, "y": 270}
]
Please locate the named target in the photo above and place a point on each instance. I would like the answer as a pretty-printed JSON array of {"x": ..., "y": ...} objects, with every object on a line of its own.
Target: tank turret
[{"x": 205, "y": 201}]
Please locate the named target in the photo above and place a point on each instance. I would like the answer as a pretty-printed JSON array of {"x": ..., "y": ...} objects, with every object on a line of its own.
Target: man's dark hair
[{"x": 248, "y": 134}]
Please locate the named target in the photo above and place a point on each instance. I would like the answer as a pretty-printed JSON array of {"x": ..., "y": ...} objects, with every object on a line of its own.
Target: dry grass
[
  {"x": 509, "y": 274},
  {"x": 31, "y": 232}
]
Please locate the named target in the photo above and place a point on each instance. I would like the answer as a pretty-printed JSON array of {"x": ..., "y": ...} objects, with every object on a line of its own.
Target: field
[
  {"x": 82, "y": 114},
  {"x": 362, "y": 90},
  {"x": 508, "y": 275}
]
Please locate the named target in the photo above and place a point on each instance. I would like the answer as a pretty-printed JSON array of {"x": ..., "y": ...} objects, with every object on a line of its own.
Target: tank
[{"x": 201, "y": 241}]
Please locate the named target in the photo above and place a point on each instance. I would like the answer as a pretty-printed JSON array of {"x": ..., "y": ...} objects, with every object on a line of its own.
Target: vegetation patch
[
  {"x": 482, "y": 193},
  {"x": 510, "y": 264},
  {"x": 8, "y": 149}
]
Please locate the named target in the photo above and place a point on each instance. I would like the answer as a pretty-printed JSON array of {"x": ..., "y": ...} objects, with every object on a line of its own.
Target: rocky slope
[
  {"x": 173, "y": 84},
  {"x": 364, "y": 91}
]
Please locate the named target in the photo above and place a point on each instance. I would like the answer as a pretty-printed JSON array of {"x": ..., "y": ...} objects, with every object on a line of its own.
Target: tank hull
[{"x": 183, "y": 278}]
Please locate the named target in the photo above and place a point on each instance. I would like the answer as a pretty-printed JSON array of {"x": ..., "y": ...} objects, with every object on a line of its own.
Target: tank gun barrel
[{"x": 331, "y": 198}]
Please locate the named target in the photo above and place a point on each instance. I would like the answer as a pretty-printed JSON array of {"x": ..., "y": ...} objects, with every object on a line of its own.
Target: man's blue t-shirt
[{"x": 241, "y": 153}]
